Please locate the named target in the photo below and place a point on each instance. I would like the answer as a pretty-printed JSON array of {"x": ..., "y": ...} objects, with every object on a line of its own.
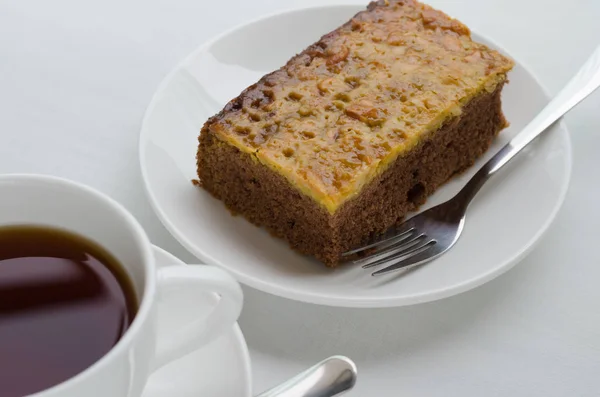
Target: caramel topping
[{"x": 337, "y": 114}]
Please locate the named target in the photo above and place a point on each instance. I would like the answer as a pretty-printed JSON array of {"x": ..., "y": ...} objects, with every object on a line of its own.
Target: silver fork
[{"x": 431, "y": 233}]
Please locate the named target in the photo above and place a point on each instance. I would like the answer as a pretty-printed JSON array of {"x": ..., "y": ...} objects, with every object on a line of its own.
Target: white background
[{"x": 76, "y": 76}]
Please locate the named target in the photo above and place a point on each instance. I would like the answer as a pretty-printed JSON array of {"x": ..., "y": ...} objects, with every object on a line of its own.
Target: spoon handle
[{"x": 331, "y": 377}]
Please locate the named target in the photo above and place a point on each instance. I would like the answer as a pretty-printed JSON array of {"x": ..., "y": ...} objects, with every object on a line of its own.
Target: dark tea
[{"x": 64, "y": 303}]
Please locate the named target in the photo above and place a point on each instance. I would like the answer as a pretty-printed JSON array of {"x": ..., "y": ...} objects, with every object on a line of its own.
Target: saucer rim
[{"x": 237, "y": 332}]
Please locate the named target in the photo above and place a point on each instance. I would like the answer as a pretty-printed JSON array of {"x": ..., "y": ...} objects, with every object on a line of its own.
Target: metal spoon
[{"x": 331, "y": 377}]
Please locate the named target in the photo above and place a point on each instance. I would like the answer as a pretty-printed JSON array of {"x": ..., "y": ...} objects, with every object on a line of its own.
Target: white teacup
[{"x": 124, "y": 370}]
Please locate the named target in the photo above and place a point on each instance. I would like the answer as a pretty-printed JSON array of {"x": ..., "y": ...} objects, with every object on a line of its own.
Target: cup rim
[{"x": 149, "y": 292}]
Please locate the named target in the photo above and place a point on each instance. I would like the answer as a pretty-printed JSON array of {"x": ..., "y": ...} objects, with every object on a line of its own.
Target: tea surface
[{"x": 64, "y": 303}]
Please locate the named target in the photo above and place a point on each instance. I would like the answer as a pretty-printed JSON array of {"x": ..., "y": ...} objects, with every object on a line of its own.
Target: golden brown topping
[
  {"x": 337, "y": 54},
  {"x": 366, "y": 112},
  {"x": 332, "y": 85},
  {"x": 341, "y": 111},
  {"x": 396, "y": 38}
]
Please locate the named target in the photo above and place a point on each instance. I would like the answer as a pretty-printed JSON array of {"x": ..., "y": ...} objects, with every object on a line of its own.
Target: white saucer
[
  {"x": 220, "y": 369},
  {"x": 505, "y": 221}
]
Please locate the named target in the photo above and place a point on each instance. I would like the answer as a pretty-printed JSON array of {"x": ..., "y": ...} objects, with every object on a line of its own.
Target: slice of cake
[{"x": 357, "y": 130}]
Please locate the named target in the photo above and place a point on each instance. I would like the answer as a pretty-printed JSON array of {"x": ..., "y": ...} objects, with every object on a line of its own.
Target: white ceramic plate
[
  {"x": 508, "y": 216},
  {"x": 222, "y": 368}
]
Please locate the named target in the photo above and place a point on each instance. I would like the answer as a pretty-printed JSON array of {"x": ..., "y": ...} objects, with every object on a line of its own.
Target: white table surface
[{"x": 76, "y": 76}]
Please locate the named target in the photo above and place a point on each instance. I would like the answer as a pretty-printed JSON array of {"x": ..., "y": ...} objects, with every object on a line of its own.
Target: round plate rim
[{"x": 322, "y": 298}]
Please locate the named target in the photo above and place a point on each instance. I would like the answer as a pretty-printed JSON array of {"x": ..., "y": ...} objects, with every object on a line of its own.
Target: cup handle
[{"x": 202, "y": 330}]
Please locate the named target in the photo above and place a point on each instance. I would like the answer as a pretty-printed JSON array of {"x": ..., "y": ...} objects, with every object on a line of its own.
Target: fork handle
[{"x": 578, "y": 88}]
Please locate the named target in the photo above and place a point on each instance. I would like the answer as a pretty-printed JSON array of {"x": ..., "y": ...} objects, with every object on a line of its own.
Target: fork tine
[
  {"x": 403, "y": 233},
  {"x": 418, "y": 257},
  {"x": 389, "y": 251},
  {"x": 403, "y": 253}
]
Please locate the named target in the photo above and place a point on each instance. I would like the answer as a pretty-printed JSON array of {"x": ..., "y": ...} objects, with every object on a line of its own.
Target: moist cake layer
[{"x": 337, "y": 115}]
